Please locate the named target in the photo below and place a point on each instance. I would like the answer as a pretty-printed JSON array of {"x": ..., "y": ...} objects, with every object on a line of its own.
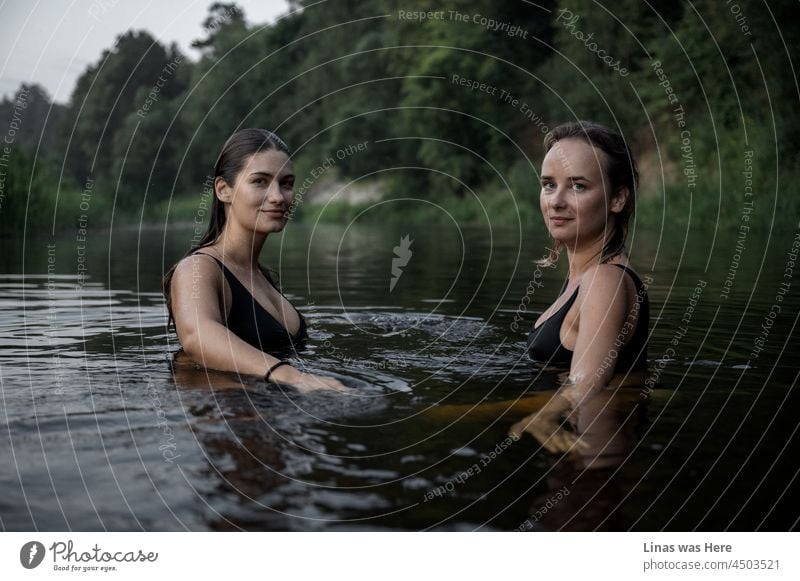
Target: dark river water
[{"x": 99, "y": 431}]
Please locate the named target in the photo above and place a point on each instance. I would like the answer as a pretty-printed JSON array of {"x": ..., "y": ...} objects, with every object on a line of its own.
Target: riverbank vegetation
[{"x": 445, "y": 106}]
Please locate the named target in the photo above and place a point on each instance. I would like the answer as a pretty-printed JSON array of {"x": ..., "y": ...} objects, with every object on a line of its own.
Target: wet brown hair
[
  {"x": 234, "y": 155},
  {"x": 620, "y": 168}
]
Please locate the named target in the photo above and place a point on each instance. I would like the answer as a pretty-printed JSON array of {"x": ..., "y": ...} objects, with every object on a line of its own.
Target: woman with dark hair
[
  {"x": 224, "y": 304},
  {"x": 598, "y": 326}
]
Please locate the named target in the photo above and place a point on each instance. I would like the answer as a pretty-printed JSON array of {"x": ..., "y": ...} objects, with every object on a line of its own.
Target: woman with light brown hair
[{"x": 598, "y": 327}]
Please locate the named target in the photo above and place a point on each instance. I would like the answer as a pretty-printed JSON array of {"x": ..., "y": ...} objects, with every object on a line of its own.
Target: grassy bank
[
  {"x": 37, "y": 205},
  {"x": 63, "y": 209},
  {"x": 674, "y": 207}
]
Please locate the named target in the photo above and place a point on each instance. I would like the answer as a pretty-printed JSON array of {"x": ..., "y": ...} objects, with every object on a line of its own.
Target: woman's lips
[
  {"x": 558, "y": 221},
  {"x": 274, "y": 213}
]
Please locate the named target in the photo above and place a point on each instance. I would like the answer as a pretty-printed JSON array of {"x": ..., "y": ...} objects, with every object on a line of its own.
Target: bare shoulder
[
  {"x": 605, "y": 284},
  {"x": 196, "y": 276},
  {"x": 202, "y": 263}
]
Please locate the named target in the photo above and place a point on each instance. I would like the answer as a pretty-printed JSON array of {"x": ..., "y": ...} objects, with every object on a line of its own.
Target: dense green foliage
[{"x": 146, "y": 122}]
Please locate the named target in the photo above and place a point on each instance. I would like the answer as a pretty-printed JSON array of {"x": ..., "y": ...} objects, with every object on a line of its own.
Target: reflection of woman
[
  {"x": 598, "y": 326},
  {"x": 227, "y": 311},
  {"x": 594, "y": 491}
]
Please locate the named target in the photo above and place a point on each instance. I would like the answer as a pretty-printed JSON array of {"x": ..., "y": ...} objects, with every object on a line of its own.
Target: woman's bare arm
[
  {"x": 603, "y": 302},
  {"x": 604, "y": 299}
]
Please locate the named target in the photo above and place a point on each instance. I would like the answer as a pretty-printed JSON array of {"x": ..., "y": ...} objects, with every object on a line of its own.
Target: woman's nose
[
  {"x": 274, "y": 192},
  {"x": 558, "y": 199}
]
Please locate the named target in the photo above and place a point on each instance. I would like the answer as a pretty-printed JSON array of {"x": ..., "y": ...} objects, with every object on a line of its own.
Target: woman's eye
[
  {"x": 548, "y": 185},
  {"x": 578, "y": 187}
]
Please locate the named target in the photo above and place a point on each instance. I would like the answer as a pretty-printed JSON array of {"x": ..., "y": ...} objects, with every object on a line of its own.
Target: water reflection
[
  {"x": 94, "y": 395},
  {"x": 263, "y": 448},
  {"x": 590, "y": 440},
  {"x": 584, "y": 445}
]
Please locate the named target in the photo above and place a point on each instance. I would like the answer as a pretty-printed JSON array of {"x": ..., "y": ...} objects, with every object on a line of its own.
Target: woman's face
[
  {"x": 263, "y": 192},
  {"x": 575, "y": 197}
]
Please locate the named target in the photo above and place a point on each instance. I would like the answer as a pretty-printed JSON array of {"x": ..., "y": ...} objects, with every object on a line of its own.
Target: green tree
[
  {"x": 38, "y": 118},
  {"x": 27, "y": 196},
  {"x": 104, "y": 96},
  {"x": 149, "y": 144},
  {"x": 443, "y": 108}
]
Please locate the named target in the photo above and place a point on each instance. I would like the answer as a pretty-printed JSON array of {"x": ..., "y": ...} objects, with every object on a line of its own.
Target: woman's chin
[
  {"x": 271, "y": 227},
  {"x": 559, "y": 235}
]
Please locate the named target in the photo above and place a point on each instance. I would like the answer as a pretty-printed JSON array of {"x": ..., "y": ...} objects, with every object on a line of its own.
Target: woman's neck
[
  {"x": 239, "y": 246},
  {"x": 584, "y": 256}
]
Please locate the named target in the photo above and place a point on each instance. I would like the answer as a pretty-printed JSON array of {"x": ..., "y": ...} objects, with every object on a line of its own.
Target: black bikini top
[
  {"x": 544, "y": 341},
  {"x": 249, "y": 321}
]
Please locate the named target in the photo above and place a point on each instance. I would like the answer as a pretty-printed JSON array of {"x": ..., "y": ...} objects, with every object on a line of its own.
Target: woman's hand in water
[
  {"x": 547, "y": 430},
  {"x": 306, "y": 382},
  {"x": 546, "y": 427}
]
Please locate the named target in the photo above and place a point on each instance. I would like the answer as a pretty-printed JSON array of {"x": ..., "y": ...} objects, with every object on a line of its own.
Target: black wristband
[{"x": 273, "y": 368}]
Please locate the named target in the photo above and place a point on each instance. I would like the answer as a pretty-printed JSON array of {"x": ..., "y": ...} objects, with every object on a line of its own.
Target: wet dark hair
[
  {"x": 234, "y": 155},
  {"x": 620, "y": 168}
]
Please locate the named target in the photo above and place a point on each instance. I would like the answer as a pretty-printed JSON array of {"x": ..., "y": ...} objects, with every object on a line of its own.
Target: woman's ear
[
  {"x": 222, "y": 190},
  {"x": 620, "y": 199}
]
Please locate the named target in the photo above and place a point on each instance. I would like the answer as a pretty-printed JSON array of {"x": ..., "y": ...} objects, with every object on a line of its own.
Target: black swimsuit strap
[
  {"x": 235, "y": 282},
  {"x": 544, "y": 341},
  {"x": 232, "y": 278},
  {"x": 636, "y": 280}
]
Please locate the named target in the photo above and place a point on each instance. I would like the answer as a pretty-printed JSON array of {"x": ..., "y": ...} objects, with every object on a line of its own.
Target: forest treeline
[{"x": 451, "y": 101}]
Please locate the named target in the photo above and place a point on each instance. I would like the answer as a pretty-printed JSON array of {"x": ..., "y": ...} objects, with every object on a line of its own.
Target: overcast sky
[{"x": 51, "y": 42}]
